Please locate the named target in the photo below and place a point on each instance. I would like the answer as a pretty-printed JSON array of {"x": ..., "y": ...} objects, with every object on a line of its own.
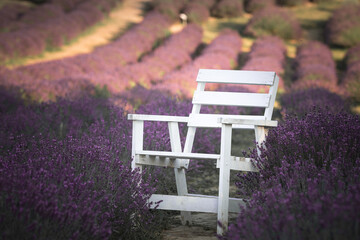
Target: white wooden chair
[{"x": 178, "y": 158}]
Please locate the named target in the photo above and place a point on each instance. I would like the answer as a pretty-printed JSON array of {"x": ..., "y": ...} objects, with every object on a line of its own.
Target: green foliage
[
  {"x": 274, "y": 25},
  {"x": 349, "y": 37}
]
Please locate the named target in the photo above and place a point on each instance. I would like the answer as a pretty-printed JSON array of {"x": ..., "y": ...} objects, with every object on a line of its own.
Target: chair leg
[
  {"x": 180, "y": 176},
  {"x": 224, "y": 178},
  {"x": 182, "y": 190}
]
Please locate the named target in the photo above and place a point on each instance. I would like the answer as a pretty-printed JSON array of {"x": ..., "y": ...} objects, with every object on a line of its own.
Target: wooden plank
[
  {"x": 212, "y": 120},
  {"x": 273, "y": 90},
  {"x": 194, "y": 203},
  {"x": 236, "y": 77},
  {"x": 157, "y": 161},
  {"x": 240, "y": 164},
  {"x": 178, "y": 154},
  {"x": 231, "y": 99},
  {"x": 158, "y": 118},
  {"x": 180, "y": 178},
  {"x": 264, "y": 123},
  {"x": 137, "y": 141},
  {"x": 224, "y": 178}
]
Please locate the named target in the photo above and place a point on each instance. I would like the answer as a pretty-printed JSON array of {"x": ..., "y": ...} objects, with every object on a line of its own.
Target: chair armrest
[
  {"x": 255, "y": 122},
  {"x": 157, "y": 118}
]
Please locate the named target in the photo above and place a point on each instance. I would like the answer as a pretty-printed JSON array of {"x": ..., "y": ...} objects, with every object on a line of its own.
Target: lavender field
[{"x": 65, "y": 141}]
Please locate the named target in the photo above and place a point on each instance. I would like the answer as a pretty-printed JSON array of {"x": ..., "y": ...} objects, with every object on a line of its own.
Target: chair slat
[
  {"x": 236, "y": 77},
  {"x": 231, "y": 99},
  {"x": 212, "y": 120}
]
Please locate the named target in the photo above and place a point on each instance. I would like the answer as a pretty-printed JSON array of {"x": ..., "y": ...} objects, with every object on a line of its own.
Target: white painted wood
[
  {"x": 179, "y": 159},
  {"x": 273, "y": 90},
  {"x": 212, "y": 120},
  {"x": 224, "y": 177},
  {"x": 255, "y": 122},
  {"x": 158, "y": 161},
  {"x": 180, "y": 177},
  {"x": 137, "y": 141},
  {"x": 260, "y": 135},
  {"x": 231, "y": 99},
  {"x": 194, "y": 203},
  {"x": 182, "y": 155},
  {"x": 240, "y": 164},
  {"x": 236, "y": 77},
  {"x": 157, "y": 118}
]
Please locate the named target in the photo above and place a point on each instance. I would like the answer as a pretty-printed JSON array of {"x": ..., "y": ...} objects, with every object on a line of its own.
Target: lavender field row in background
[
  {"x": 47, "y": 80},
  {"x": 221, "y": 53},
  {"x": 267, "y": 54},
  {"x": 315, "y": 67},
  {"x": 49, "y": 26},
  {"x": 351, "y": 80}
]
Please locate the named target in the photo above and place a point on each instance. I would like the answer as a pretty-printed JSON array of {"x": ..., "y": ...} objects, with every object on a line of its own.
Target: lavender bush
[
  {"x": 314, "y": 67},
  {"x": 308, "y": 166},
  {"x": 255, "y": 5},
  {"x": 274, "y": 21},
  {"x": 48, "y": 26},
  {"x": 228, "y": 8},
  {"x": 221, "y": 53},
  {"x": 351, "y": 82},
  {"x": 65, "y": 167},
  {"x": 352, "y": 56},
  {"x": 197, "y": 12},
  {"x": 170, "y": 8},
  {"x": 45, "y": 81},
  {"x": 302, "y": 102},
  {"x": 290, "y": 2},
  {"x": 267, "y": 54},
  {"x": 343, "y": 28}
]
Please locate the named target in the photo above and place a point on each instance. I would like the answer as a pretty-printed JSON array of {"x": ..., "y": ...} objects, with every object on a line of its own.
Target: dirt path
[{"x": 129, "y": 12}]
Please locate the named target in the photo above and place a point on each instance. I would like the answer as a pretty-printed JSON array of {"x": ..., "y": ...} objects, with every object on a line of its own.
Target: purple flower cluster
[
  {"x": 221, "y": 53},
  {"x": 303, "y": 101},
  {"x": 49, "y": 26},
  {"x": 315, "y": 67},
  {"x": 267, "y": 54},
  {"x": 351, "y": 80},
  {"x": 47, "y": 80},
  {"x": 65, "y": 173},
  {"x": 255, "y": 5},
  {"x": 343, "y": 28},
  {"x": 275, "y": 21},
  {"x": 228, "y": 8},
  {"x": 308, "y": 166}
]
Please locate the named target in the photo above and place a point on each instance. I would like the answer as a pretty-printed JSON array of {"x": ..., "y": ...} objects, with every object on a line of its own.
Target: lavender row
[
  {"x": 64, "y": 176},
  {"x": 228, "y": 8},
  {"x": 60, "y": 77},
  {"x": 197, "y": 12},
  {"x": 315, "y": 67},
  {"x": 308, "y": 166},
  {"x": 343, "y": 27},
  {"x": 267, "y": 54},
  {"x": 166, "y": 57},
  {"x": 221, "y": 53},
  {"x": 351, "y": 79},
  {"x": 38, "y": 31},
  {"x": 274, "y": 21},
  {"x": 151, "y": 67}
]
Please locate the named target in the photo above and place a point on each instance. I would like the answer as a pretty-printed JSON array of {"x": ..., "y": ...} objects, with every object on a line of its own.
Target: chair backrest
[{"x": 202, "y": 96}]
